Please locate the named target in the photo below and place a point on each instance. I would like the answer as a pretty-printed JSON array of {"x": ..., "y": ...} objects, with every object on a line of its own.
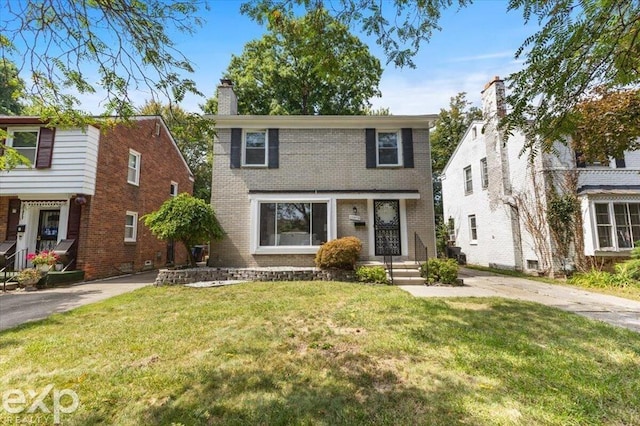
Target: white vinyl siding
[{"x": 73, "y": 167}]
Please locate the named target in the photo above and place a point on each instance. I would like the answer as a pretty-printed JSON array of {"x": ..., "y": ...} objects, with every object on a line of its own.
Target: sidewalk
[
  {"x": 18, "y": 307},
  {"x": 613, "y": 310}
]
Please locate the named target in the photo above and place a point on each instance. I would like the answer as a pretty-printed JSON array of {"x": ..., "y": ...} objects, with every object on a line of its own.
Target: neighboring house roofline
[
  {"x": 455, "y": 151},
  {"x": 8, "y": 120},
  {"x": 609, "y": 189},
  {"x": 323, "y": 121}
]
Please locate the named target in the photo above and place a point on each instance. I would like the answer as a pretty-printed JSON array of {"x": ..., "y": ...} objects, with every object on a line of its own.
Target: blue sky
[{"x": 475, "y": 44}]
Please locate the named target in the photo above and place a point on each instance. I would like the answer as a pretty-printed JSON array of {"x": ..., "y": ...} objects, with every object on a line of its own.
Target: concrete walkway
[
  {"x": 613, "y": 310},
  {"x": 18, "y": 307}
]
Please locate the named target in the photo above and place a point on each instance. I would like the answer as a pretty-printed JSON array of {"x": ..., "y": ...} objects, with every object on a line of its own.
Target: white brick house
[
  {"x": 490, "y": 191},
  {"x": 283, "y": 185}
]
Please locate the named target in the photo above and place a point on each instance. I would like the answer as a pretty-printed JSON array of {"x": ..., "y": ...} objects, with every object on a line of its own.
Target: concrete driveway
[
  {"x": 18, "y": 307},
  {"x": 613, "y": 310}
]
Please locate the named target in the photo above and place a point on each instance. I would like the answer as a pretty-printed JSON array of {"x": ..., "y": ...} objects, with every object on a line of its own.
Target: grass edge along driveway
[{"x": 323, "y": 353}]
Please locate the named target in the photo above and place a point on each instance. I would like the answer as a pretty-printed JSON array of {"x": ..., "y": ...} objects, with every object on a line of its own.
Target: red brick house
[{"x": 92, "y": 186}]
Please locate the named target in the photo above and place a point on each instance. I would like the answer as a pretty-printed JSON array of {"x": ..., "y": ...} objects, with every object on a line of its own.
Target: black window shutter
[
  {"x": 236, "y": 148},
  {"x": 45, "y": 148},
  {"x": 370, "y": 140},
  {"x": 620, "y": 163},
  {"x": 274, "y": 148},
  {"x": 2, "y": 141},
  {"x": 407, "y": 148}
]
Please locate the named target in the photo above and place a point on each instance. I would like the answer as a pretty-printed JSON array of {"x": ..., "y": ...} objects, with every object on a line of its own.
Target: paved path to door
[
  {"x": 18, "y": 307},
  {"x": 614, "y": 310}
]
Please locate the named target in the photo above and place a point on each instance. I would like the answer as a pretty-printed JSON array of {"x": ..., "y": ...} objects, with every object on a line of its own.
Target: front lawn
[{"x": 324, "y": 353}]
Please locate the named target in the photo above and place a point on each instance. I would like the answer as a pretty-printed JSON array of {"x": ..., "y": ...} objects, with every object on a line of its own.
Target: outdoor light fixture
[{"x": 355, "y": 210}]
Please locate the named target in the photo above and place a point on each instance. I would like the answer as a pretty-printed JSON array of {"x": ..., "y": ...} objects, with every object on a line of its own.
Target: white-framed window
[
  {"x": 292, "y": 223},
  {"x": 474, "y": 132},
  {"x": 25, "y": 141},
  {"x": 617, "y": 225},
  {"x": 451, "y": 229},
  {"x": 133, "y": 171},
  {"x": 388, "y": 148},
  {"x": 468, "y": 181},
  {"x": 473, "y": 229},
  {"x": 255, "y": 147},
  {"x": 131, "y": 227},
  {"x": 173, "y": 191},
  {"x": 484, "y": 173}
]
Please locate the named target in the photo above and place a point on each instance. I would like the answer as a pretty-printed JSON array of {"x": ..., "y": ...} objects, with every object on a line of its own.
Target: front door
[
  {"x": 387, "y": 227},
  {"x": 48, "y": 223}
]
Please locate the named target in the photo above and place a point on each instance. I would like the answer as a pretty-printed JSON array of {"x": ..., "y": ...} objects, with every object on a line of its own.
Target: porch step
[{"x": 407, "y": 280}]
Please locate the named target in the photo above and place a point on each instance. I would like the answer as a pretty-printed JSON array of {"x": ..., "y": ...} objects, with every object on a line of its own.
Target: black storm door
[{"x": 387, "y": 227}]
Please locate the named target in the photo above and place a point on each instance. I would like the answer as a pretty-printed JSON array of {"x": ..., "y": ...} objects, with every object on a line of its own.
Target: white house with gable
[{"x": 495, "y": 197}]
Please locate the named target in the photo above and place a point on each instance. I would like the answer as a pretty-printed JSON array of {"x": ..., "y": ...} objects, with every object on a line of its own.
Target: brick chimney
[
  {"x": 227, "y": 100},
  {"x": 493, "y": 102}
]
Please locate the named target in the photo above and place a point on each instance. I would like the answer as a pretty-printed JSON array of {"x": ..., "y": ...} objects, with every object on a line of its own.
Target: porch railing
[{"x": 13, "y": 263}]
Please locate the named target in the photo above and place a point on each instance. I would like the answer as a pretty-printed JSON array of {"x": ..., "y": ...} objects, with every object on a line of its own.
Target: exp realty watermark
[{"x": 63, "y": 401}]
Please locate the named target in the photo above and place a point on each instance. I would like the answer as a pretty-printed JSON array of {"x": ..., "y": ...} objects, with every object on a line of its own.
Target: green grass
[
  {"x": 328, "y": 354},
  {"x": 630, "y": 292}
]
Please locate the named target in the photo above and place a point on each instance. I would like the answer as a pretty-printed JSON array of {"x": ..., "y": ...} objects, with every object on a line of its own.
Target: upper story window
[
  {"x": 468, "y": 181},
  {"x": 474, "y": 132},
  {"x": 131, "y": 227},
  {"x": 133, "y": 173},
  {"x": 484, "y": 173},
  {"x": 389, "y": 152},
  {"x": 25, "y": 141},
  {"x": 255, "y": 148},
  {"x": 173, "y": 191}
]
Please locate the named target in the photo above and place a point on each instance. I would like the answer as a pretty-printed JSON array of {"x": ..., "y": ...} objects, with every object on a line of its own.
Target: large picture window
[
  {"x": 618, "y": 225},
  {"x": 293, "y": 224},
  {"x": 255, "y": 148}
]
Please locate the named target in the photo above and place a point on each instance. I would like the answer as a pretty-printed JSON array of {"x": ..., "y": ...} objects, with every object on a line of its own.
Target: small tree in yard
[{"x": 186, "y": 219}]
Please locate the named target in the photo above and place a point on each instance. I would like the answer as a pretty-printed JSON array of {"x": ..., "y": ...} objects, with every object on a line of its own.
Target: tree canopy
[
  {"x": 60, "y": 44},
  {"x": 304, "y": 66},
  {"x": 194, "y": 137},
  {"x": 11, "y": 88},
  {"x": 581, "y": 45},
  {"x": 186, "y": 219}
]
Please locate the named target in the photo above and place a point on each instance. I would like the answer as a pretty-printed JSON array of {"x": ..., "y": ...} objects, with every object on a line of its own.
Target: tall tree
[
  {"x": 582, "y": 44},
  {"x": 11, "y": 88},
  {"x": 60, "y": 44},
  {"x": 310, "y": 65},
  {"x": 194, "y": 137},
  {"x": 450, "y": 127}
]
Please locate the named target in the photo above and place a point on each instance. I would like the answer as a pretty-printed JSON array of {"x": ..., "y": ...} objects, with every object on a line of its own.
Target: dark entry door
[
  {"x": 48, "y": 224},
  {"x": 387, "y": 227}
]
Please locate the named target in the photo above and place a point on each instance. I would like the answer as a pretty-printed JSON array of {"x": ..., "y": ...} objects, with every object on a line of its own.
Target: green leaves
[{"x": 310, "y": 65}]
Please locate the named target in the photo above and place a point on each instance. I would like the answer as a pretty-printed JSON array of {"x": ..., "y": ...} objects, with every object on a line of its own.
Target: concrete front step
[
  {"x": 408, "y": 280},
  {"x": 406, "y": 272}
]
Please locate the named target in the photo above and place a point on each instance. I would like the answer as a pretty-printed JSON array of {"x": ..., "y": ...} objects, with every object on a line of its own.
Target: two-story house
[
  {"x": 283, "y": 185},
  {"x": 495, "y": 198},
  {"x": 91, "y": 185}
]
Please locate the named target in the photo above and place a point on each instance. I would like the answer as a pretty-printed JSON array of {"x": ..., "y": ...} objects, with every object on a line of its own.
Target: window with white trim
[
  {"x": 388, "y": 152},
  {"x": 484, "y": 173},
  {"x": 292, "y": 223},
  {"x": 473, "y": 229},
  {"x": 617, "y": 225},
  {"x": 25, "y": 141},
  {"x": 173, "y": 191},
  {"x": 255, "y": 144},
  {"x": 451, "y": 229},
  {"x": 133, "y": 172},
  {"x": 468, "y": 181},
  {"x": 131, "y": 227}
]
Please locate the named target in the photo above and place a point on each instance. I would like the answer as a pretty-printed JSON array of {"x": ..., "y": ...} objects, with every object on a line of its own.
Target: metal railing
[
  {"x": 421, "y": 251},
  {"x": 14, "y": 262}
]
